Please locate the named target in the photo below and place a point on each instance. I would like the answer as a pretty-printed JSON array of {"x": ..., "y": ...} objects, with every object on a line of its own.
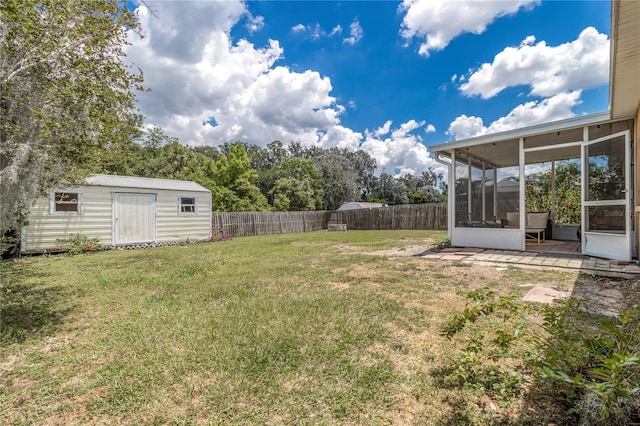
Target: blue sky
[{"x": 388, "y": 77}]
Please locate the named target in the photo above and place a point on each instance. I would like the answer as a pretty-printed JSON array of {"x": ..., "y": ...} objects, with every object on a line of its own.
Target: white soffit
[
  {"x": 515, "y": 134},
  {"x": 559, "y": 140},
  {"x": 625, "y": 58}
]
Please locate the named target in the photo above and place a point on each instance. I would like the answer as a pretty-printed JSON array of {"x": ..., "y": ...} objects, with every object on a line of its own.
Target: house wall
[
  {"x": 44, "y": 229},
  {"x": 636, "y": 166}
]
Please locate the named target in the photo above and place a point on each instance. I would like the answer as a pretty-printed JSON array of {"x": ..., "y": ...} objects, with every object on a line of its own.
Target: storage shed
[{"x": 121, "y": 211}]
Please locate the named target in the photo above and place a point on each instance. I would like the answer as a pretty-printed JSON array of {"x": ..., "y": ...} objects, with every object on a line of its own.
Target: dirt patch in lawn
[
  {"x": 403, "y": 247},
  {"x": 410, "y": 250},
  {"x": 604, "y": 295}
]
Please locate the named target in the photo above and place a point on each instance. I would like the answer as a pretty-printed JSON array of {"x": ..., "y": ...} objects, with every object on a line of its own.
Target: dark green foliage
[
  {"x": 208, "y": 151},
  {"x": 423, "y": 188},
  {"x": 298, "y": 186},
  {"x": 246, "y": 177},
  {"x": 66, "y": 96},
  {"x": 161, "y": 156},
  {"x": 346, "y": 174},
  {"x": 386, "y": 189},
  {"x": 567, "y": 192},
  {"x": 597, "y": 357},
  {"x": 443, "y": 244},
  {"x": 235, "y": 179}
]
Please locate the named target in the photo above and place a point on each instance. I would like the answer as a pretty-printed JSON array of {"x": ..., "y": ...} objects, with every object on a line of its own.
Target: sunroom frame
[
  {"x": 549, "y": 142},
  {"x": 556, "y": 140}
]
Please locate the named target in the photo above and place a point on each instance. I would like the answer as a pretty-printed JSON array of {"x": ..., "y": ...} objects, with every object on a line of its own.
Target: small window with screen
[
  {"x": 66, "y": 202},
  {"x": 187, "y": 205}
]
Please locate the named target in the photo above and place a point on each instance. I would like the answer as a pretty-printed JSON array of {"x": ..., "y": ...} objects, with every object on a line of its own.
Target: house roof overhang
[
  {"x": 624, "y": 75},
  {"x": 502, "y": 149}
]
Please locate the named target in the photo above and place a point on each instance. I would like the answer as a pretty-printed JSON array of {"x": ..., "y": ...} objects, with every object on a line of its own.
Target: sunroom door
[{"x": 606, "y": 197}]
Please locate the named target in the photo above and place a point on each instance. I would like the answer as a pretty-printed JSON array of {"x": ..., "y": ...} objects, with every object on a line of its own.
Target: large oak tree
[{"x": 66, "y": 95}]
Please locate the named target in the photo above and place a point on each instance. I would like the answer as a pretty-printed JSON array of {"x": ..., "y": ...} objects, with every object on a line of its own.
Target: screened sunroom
[{"x": 569, "y": 180}]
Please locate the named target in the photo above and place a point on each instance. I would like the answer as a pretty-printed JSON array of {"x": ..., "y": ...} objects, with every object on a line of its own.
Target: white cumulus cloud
[
  {"x": 316, "y": 32},
  {"x": 336, "y": 30},
  {"x": 437, "y": 22},
  {"x": 213, "y": 90},
  {"x": 341, "y": 137},
  {"x": 548, "y": 70},
  {"x": 207, "y": 89},
  {"x": 381, "y": 131},
  {"x": 555, "y": 108},
  {"x": 255, "y": 24},
  {"x": 400, "y": 152}
]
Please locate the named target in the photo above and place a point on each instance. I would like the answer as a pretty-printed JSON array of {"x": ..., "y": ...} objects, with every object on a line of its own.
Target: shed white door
[{"x": 134, "y": 219}]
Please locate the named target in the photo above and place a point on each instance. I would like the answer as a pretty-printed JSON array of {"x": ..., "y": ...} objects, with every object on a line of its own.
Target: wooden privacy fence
[
  {"x": 411, "y": 216},
  {"x": 408, "y": 216},
  {"x": 242, "y": 224}
]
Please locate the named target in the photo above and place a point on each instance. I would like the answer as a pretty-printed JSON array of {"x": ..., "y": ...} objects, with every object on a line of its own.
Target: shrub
[
  {"x": 80, "y": 243},
  {"x": 220, "y": 233},
  {"x": 591, "y": 363},
  {"x": 443, "y": 244},
  {"x": 594, "y": 362}
]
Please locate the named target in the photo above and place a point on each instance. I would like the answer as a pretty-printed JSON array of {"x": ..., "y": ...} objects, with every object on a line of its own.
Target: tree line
[{"x": 247, "y": 177}]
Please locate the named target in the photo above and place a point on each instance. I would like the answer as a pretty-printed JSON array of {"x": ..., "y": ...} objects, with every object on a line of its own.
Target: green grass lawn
[{"x": 316, "y": 328}]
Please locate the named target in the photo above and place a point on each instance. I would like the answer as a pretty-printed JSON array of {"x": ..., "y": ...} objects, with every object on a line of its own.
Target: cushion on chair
[
  {"x": 513, "y": 220},
  {"x": 537, "y": 220}
]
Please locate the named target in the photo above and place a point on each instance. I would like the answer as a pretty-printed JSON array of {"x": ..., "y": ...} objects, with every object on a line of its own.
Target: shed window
[
  {"x": 187, "y": 205},
  {"x": 66, "y": 202}
]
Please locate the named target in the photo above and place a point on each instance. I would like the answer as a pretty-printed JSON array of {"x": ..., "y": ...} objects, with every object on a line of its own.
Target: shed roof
[
  {"x": 145, "y": 183},
  {"x": 354, "y": 205}
]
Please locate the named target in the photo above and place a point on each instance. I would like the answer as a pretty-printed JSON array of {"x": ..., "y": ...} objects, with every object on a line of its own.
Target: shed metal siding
[
  {"x": 96, "y": 221},
  {"x": 44, "y": 229},
  {"x": 174, "y": 226}
]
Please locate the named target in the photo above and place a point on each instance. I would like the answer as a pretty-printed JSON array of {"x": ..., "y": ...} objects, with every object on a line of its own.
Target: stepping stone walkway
[
  {"x": 601, "y": 298},
  {"x": 524, "y": 259}
]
